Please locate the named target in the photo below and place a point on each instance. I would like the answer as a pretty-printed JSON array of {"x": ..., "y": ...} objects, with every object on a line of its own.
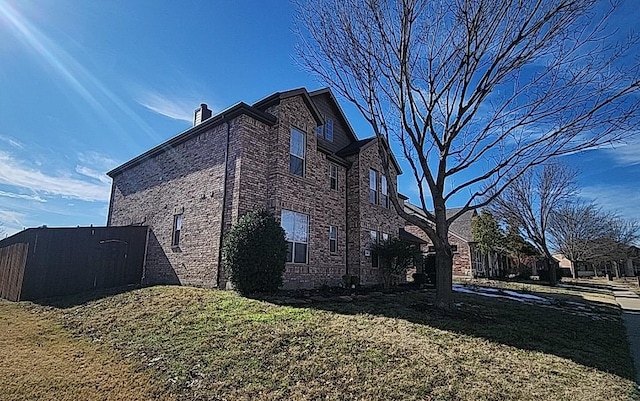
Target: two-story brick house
[{"x": 293, "y": 153}]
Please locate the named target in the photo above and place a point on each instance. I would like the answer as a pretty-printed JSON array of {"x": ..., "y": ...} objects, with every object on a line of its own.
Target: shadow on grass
[
  {"x": 594, "y": 340},
  {"x": 69, "y": 301}
]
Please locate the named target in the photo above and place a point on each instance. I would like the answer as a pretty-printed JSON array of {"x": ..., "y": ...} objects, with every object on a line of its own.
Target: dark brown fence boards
[
  {"x": 64, "y": 261},
  {"x": 13, "y": 259}
]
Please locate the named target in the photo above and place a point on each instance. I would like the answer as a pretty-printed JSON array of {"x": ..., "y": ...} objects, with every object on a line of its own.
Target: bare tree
[
  {"x": 473, "y": 92},
  {"x": 582, "y": 232},
  {"x": 576, "y": 229},
  {"x": 530, "y": 202},
  {"x": 614, "y": 243}
]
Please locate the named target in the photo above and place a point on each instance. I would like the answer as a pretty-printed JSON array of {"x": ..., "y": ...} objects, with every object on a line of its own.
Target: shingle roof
[
  {"x": 354, "y": 147},
  {"x": 461, "y": 227},
  {"x": 407, "y": 236}
]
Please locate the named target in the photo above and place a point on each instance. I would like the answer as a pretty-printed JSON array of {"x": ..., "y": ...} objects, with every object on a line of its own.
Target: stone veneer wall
[{"x": 462, "y": 265}]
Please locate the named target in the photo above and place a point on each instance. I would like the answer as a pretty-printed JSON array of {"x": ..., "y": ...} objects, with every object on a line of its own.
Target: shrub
[
  {"x": 430, "y": 268},
  {"x": 544, "y": 274},
  {"x": 420, "y": 278},
  {"x": 395, "y": 256},
  {"x": 254, "y": 253}
]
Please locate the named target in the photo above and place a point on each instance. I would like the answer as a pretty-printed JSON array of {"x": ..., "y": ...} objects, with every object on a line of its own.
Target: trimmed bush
[{"x": 254, "y": 253}]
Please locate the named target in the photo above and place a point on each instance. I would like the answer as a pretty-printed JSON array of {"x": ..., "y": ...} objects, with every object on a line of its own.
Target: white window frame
[
  {"x": 333, "y": 239},
  {"x": 328, "y": 129},
  {"x": 333, "y": 179},
  {"x": 294, "y": 237},
  {"x": 384, "y": 191},
  {"x": 373, "y": 186},
  {"x": 293, "y": 152},
  {"x": 177, "y": 229}
]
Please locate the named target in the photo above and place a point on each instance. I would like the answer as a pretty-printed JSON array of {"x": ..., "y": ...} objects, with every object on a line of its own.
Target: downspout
[
  {"x": 224, "y": 203},
  {"x": 346, "y": 223}
]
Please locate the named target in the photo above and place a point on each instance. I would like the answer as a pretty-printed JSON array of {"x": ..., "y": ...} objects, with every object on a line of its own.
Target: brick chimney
[{"x": 201, "y": 114}]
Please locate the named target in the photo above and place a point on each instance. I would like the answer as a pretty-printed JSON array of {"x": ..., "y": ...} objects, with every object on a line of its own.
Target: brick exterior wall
[
  {"x": 364, "y": 216},
  {"x": 462, "y": 259},
  {"x": 189, "y": 179}
]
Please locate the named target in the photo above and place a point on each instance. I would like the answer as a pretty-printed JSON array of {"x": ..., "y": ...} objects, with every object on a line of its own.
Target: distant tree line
[{"x": 541, "y": 213}]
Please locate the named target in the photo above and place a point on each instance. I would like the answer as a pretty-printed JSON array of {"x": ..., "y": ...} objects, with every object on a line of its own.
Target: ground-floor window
[
  {"x": 333, "y": 239},
  {"x": 296, "y": 227},
  {"x": 177, "y": 227}
]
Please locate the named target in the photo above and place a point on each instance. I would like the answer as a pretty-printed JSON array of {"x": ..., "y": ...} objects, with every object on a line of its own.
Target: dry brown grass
[
  {"x": 41, "y": 361},
  {"x": 205, "y": 344}
]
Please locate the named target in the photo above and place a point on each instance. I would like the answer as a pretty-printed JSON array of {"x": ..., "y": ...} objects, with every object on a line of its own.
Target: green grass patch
[{"x": 206, "y": 344}]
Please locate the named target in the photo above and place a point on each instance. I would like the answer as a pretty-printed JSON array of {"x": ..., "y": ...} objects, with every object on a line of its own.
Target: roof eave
[{"x": 224, "y": 116}]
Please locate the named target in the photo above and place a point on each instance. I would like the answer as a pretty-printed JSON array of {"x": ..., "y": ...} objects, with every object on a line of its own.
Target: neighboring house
[
  {"x": 293, "y": 153},
  {"x": 467, "y": 260},
  {"x": 629, "y": 267}
]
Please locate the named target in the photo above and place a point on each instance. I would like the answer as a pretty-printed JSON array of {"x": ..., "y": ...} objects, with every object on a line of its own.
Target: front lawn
[{"x": 205, "y": 344}]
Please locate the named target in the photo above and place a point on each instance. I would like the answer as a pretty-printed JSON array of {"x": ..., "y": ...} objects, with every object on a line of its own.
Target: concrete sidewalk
[{"x": 630, "y": 304}]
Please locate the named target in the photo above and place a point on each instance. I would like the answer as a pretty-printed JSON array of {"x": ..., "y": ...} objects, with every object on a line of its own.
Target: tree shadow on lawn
[
  {"x": 597, "y": 341},
  {"x": 69, "y": 301}
]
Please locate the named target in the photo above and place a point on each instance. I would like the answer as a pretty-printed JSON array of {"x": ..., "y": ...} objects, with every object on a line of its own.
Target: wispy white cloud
[
  {"x": 91, "y": 173},
  {"x": 169, "y": 106},
  {"x": 35, "y": 198},
  {"x": 11, "y": 141},
  {"x": 626, "y": 154},
  {"x": 13, "y": 172},
  {"x": 11, "y": 222},
  {"x": 623, "y": 199}
]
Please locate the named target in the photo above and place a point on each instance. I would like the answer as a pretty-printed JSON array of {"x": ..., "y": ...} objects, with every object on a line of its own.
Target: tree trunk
[
  {"x": 572, "y": 266},
  {"x": 553, "y": 280},
  {"x": 616, "y": 269},
  {"x": 444, "y": 270},
  {"x": 444, "y": 258}
]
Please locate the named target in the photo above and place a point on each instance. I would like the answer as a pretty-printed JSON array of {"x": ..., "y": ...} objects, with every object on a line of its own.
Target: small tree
[
  {"x": 254, "y": 253},
  {"x": 396, "y": 256},
  {"x": 520, "y": 250},
  {"x": 488, "y": 237}
]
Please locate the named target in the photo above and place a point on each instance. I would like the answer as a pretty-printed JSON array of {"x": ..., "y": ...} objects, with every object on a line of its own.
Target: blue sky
[{"x": 86, "y": 86}]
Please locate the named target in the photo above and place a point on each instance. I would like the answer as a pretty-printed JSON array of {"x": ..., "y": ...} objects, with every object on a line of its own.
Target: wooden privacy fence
[
  {"x": 45, "y": 262},
  {"x": 12, "y": 261}
]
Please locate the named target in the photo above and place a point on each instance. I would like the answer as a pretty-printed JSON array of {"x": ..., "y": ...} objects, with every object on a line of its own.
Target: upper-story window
[
  {"x": 296, "y": 150},
  {"x": 373, "y": 186},
  {"x": 333, "y": 176},
  {"x": 326, "y": 131},
  {"x": 296, "y": 228},
  {"x": 384, "y": 191}
]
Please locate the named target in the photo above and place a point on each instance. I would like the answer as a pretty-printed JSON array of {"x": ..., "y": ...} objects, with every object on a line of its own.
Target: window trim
[
  {"x": 176, "y": 230},
  {"x": 292, "y": 257},
  {"x": 384, "y": 191},
  {"x": 333, "y": 181},
  {"x": 328, "y": 129},
  {"x": 292, "y": 155},
  {"x": 374, "y": 239},
  {"x": 333, "y": 239},
  {"x": 373, "y": 186}
]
